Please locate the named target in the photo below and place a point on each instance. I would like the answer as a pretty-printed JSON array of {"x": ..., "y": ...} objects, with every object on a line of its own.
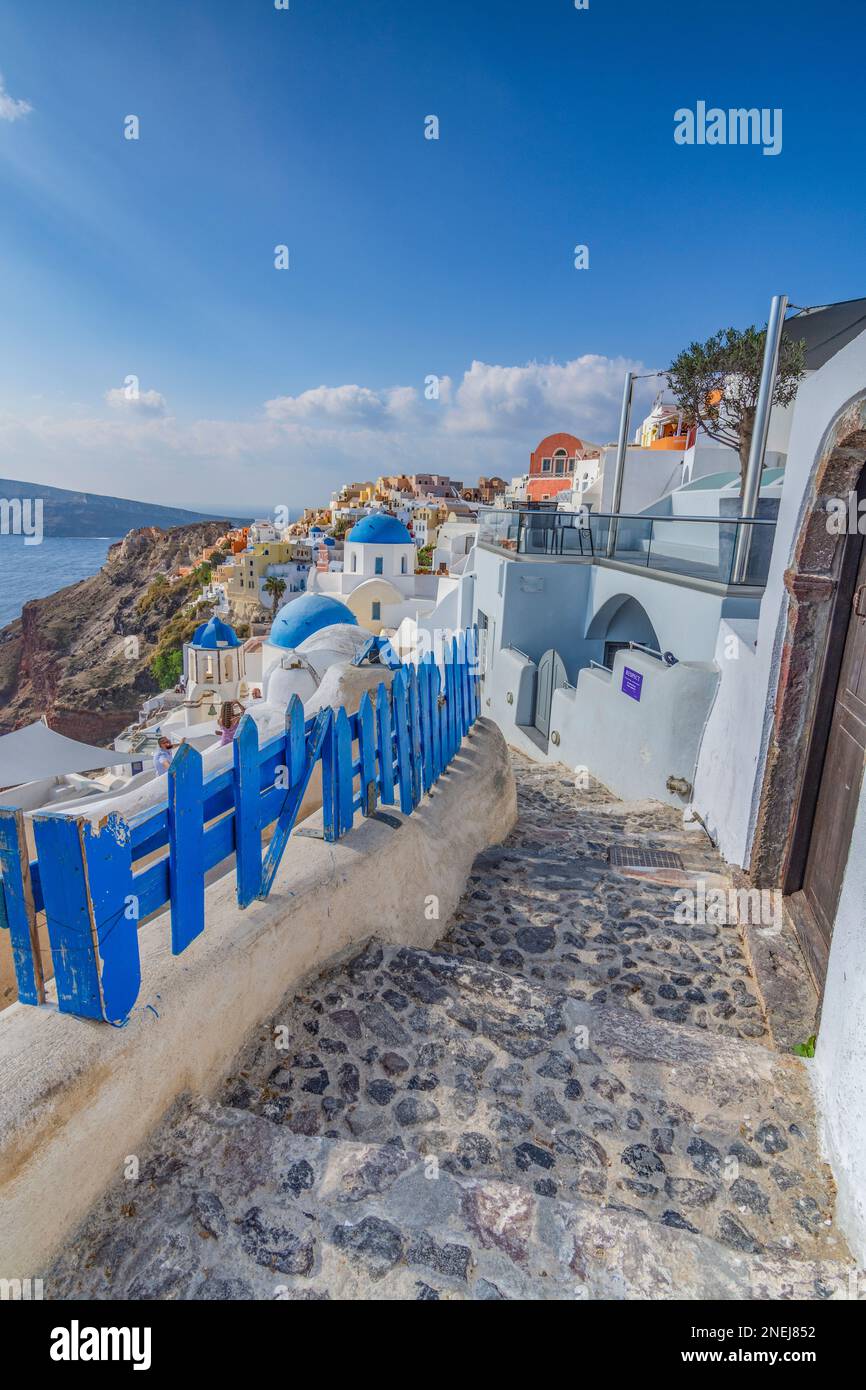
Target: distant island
[{"x": 87, "y": 514}]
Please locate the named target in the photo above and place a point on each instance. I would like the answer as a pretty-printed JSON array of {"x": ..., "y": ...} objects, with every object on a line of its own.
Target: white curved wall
[{"x": 633, "y": 746}]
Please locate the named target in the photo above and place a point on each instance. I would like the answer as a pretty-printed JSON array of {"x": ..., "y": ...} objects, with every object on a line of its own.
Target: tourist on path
[
  {"x": 228, "y": 721},
  {"x": 163, "y": 756}
]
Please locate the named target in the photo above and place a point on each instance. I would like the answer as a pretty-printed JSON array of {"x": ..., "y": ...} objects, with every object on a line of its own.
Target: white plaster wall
[
  {"x": 686, "y": 620},
  {"x": 746, "y": 696},
  {"x": 633, "y": 746},
  {"x": 364, "y": 554},
  {"x": 648, "y": 475},
  {"x": 726, "y": 768},
  {"x": 512, "y": 674}
]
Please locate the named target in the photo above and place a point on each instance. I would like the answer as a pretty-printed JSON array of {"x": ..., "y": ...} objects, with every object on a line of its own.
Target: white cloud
[
  {"x": 12, "y": 108},
  {"x": 345, "y": 405},
  {"x": 581, "y": 396},
  {"x": 297, "y": 449},
  {"x": 137, "y": 402}
]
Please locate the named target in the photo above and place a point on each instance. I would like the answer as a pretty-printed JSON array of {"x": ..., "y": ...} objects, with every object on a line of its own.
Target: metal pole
[
  {"x": 619, "y": 470},
  {"x": 758, "y": 446}
]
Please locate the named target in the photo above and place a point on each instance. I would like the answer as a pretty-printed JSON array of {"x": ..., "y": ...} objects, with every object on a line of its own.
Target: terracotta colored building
[{"x": 552, "y": 465}]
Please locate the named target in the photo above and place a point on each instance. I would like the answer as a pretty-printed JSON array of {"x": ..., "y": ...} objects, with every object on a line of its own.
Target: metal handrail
[
  {"x": 640, "y": 516},
  {"x": 552, "y": 533}
]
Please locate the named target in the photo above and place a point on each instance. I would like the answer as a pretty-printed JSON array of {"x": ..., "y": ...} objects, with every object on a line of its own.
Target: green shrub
[{"x": 166, "y": 667}]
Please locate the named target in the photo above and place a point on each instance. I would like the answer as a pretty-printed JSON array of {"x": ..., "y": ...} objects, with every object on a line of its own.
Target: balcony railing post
[
  {"x": 758, "y": 446},
  {"x": 621, "y": 452}
]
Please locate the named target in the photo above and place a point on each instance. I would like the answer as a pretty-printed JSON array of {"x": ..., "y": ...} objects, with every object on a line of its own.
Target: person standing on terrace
[{"x": 228, "y": 720}]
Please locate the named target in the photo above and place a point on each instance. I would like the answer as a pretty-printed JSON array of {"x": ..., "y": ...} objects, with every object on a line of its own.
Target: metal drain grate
[{"x": 633, "y": 857}]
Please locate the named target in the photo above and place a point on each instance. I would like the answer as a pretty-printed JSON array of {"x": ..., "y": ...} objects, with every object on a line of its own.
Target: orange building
[{"x": 552, "y": 465}]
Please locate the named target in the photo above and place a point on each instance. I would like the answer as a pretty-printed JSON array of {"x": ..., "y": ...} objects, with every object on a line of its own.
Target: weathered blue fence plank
[
  {"x": 296, "y": 741},
  {"x": 330, "y": 809},
  {"x": 385, "y": 733},
  {"x": 247, "y": 794},
  {"x": 294, "y": 797},
  {"x": 16, "y": 893},
  {"x": 458, "y": 662},
  {"x": 436, "y": 717},
  {"x": 186, "y": 847},
  {"x": 426, "y": 729},
  {"x": 367, "y": 748},
  {"x": 466, "y": 723},
  {"x": 115, "y": 912},
  {"x": 450, "y": 706},
  {"x": 415, "y": 735},
  {"x": 345, "y": 777},
  {"x": 67, "y": 911},
  {"x": 401, "y": 728}
]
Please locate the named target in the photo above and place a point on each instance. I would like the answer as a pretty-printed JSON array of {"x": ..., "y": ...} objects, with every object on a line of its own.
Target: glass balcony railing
[{"x": 696, "y": 547}]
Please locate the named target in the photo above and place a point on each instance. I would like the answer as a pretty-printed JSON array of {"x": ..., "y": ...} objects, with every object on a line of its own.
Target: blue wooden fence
[{"x": 95, "y": 885}]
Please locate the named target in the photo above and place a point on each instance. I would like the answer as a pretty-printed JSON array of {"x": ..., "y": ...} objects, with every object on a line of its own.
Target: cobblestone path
[{"x": 571, "y": 1096}]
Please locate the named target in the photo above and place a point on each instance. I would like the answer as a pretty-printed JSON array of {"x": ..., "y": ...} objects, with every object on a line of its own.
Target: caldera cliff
[{"x": 81, "y": 656}]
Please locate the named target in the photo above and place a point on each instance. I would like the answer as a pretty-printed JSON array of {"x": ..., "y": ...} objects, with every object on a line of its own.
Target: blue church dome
[
  {"x": 305, "y": 615},
  {"x": 215, "y": 633},
  {"x": 380, "y": 529}
]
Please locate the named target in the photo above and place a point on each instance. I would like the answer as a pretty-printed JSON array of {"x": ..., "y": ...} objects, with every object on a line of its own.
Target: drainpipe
[
  {"x": 622, "y": 446},
  {"x": 758, "y": 446}
]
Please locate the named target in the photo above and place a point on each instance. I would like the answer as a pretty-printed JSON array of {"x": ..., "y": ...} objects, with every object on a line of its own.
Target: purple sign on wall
[{"x": 631, "y": 682}]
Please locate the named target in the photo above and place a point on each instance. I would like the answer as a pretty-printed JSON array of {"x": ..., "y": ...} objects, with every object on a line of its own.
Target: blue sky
[{"x": 408, "y": 257}]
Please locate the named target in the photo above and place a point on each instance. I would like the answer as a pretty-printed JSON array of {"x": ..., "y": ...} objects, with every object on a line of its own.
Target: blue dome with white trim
[
  {"x": 379, "y": 529},
  {"x": 215, "y": 633},
  {"x": 303, "y": 616}
]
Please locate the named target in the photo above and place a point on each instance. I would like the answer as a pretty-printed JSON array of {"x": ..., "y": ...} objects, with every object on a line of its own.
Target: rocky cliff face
[{"x": 70, "y": 656}]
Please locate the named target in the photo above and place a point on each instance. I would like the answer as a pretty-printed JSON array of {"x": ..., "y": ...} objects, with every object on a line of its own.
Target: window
[
  {"x": 560, "y": 462},
  {"x": 376, "y": 612},
  {"x": 355, "y": 563},
  {"x": 403, "y": 565},
  {"x": 571, "y": 465},
  {"x": 377, "y": 569},
  {"x": 545, "y": 465}
]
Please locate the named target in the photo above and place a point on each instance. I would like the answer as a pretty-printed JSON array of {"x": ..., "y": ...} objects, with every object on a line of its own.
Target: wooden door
[
  {"x": 838, "y": 790},
  {"x": 551, "y": 675}
]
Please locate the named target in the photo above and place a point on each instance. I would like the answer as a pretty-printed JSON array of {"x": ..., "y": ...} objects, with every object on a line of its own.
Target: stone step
[
  {"x": 231, "y": 1206},
  {"x": 505, "y": 1079},
  {"x": 561, "y": 916}
]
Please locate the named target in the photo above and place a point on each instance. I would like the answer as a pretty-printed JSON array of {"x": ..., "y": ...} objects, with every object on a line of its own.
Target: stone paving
[
  {"x": 570, "y": 1097},
  {"x": 546, "y": 905}
]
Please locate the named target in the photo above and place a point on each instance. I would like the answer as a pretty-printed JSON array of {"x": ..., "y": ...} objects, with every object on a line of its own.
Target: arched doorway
[
  {"x": 551, "y": 675},
  {"x": 817, "y": 743},
  {"x": 620, "y": 621}
]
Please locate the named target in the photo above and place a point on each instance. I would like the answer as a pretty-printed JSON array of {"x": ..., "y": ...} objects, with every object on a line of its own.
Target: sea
[{"x": 34, "y": 571}]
